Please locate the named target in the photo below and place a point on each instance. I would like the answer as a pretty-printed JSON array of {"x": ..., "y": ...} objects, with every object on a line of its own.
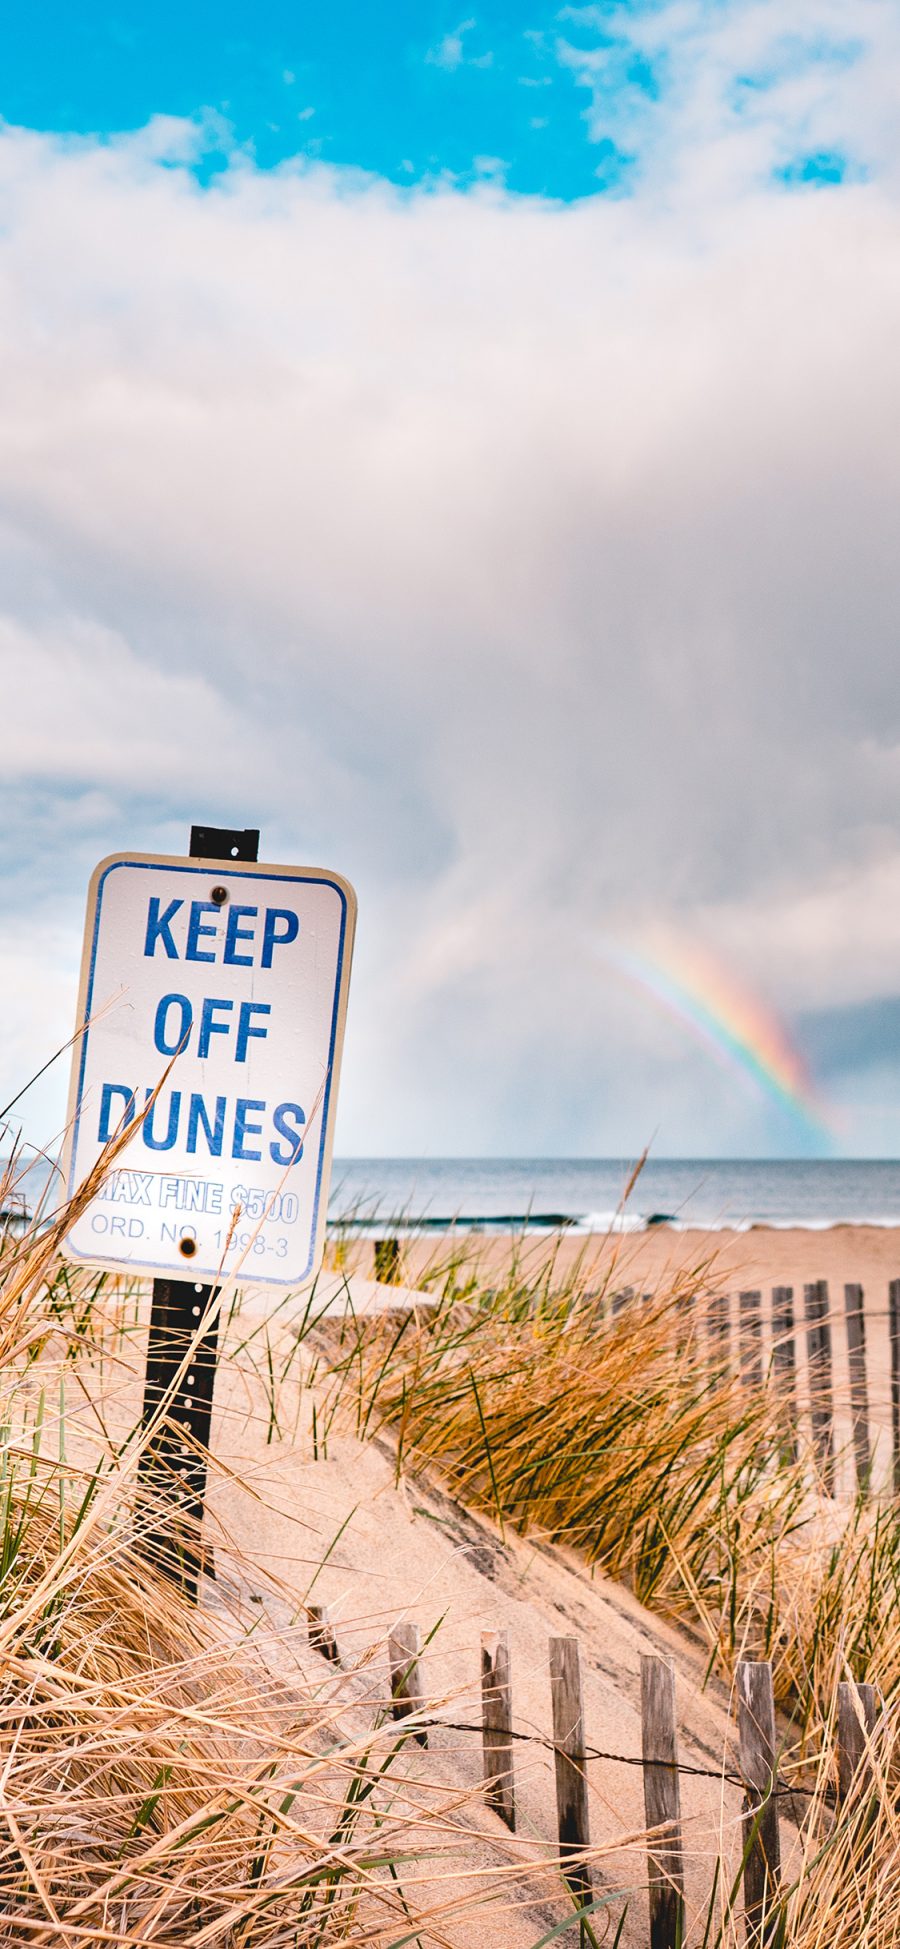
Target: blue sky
[
  {"x": 559, "y": 102},
  {"x": 461, "y": 444},
  {"x": 406, "y": 90}
]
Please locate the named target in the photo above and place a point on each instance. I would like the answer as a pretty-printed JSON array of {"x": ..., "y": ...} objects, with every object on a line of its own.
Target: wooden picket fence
[
  {"x": 817, "y": 1320},
  {"x": 719, "y": 1310},
  {"x": 757, "y": 1762},
  {"x": 756, "y": 1770}
]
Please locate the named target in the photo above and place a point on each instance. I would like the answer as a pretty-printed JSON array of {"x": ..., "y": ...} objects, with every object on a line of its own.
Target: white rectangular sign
[{"x": 222, "y": 987}]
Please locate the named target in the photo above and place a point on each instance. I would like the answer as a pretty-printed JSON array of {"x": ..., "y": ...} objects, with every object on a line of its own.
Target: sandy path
[
  {"x": 403, "y": 1548},
  {"x": 406, "y": 1549}
]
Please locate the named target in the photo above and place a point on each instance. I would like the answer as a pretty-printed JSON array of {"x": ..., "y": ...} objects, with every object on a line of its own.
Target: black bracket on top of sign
[
  {"x": 172, "y": 1468},
  {"x": 217, "y": 842}
]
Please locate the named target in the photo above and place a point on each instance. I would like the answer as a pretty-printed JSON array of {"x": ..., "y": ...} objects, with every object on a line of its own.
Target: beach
[{"x": 763, "y": 1255}]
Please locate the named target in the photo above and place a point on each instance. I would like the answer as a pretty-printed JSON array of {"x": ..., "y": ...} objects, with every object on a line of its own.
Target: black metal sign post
[{"x": 172, "y": 1468}]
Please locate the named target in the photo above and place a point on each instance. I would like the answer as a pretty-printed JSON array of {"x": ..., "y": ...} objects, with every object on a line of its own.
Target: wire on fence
[{"x": 783, "y": 1789}]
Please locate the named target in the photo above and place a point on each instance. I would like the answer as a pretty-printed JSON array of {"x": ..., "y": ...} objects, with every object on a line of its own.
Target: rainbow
[{"x": 743, "y": 1033}]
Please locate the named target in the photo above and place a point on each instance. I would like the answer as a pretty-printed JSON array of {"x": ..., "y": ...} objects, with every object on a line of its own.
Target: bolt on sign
[{"x": 213, "y": 997}]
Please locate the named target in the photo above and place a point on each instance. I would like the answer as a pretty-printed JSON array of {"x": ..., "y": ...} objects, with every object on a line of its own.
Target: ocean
[
  {"x": 395, "y": 1194},
  {"x": 378, "y": 1195}
]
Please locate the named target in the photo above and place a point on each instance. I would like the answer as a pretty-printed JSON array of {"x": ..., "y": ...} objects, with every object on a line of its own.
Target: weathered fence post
[
  {"x": 818, "y": 1342},
  {"x": 496, "y": 1697},
  {"x": 756, "y": 1736},
  {"x": 662, "y": 1802},
  {"x": 406, "y": 1678},
  {"x": 857, "y": 1713},
  {"x": 859, "y": 1399},
  {"x": 784, "y": 1363},
  {"x": 718, "y": 1323},
  {"x": 387, "y": 1261},
  {"x": 750, "y": 1327},
  {"x": 571, "y": 1777},
  {"x": 894, "y": 1326},
  {"x": 321, "y": 1633}
]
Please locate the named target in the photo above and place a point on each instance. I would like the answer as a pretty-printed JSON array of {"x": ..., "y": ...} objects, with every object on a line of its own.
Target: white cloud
[
  {"x": 713, "y": 98},
  {"x": 536, "y": 566},
  {"x": 450, "y": 51},
  {"x": 80, "y": 707}
]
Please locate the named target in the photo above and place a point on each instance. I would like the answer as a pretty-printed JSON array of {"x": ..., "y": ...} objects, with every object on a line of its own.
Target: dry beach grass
[
  {"x": 617, "y": 1433},
  {"x": 162, "y": 1779},
  {"x": 166, "y": 1779}
]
